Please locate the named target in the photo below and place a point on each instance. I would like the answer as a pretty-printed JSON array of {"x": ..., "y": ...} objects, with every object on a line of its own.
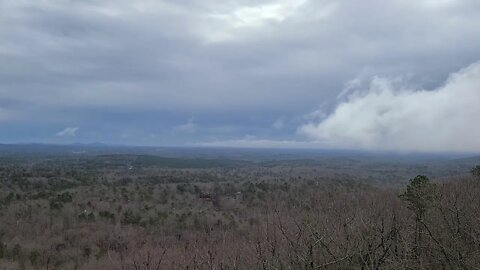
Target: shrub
[
  {"x": 3, "y": 250},
  {"x": 87, "y": 252},
  {"x": 35, "y": 258},
  {"x": 82, "y": 216},
  {"x": 476, "y": 171},
  {"x": 107, "y": 215},
  {"x": 58, "y": 202},
  {"x": 130, "y": 218},
  {"x": 91, "y": 217}
]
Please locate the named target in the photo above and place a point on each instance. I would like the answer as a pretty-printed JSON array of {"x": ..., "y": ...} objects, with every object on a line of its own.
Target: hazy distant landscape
[{"x": 120, "y": 207}]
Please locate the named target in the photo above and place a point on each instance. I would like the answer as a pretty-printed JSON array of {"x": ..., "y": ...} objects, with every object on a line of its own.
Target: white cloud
[
  {"x": 279, "y": 123},
  {"x": 68, "y": 132},
  {"x": 227, "y": 23},
  {"x": 254, "y": 16},
  {"x": 189, "y": 127},
  {"x": 389, "y": 118}
]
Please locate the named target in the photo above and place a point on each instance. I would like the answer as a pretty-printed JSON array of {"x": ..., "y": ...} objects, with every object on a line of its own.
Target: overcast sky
[{"x": 380, "y": 75}]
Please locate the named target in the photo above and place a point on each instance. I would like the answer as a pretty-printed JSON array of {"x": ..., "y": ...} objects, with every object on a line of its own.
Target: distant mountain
[{"x": 98, "y": 144}]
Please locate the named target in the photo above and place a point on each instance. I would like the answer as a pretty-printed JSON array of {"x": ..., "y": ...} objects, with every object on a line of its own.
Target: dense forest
[{"x": 123, "y": 211}]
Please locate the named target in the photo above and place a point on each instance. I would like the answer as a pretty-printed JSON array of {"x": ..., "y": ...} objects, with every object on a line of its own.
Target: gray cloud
[{"x": 237, "y": 63}]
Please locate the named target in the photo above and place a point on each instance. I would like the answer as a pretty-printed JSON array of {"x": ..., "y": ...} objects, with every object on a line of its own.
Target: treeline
[{"x": 262, "y": 224}]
